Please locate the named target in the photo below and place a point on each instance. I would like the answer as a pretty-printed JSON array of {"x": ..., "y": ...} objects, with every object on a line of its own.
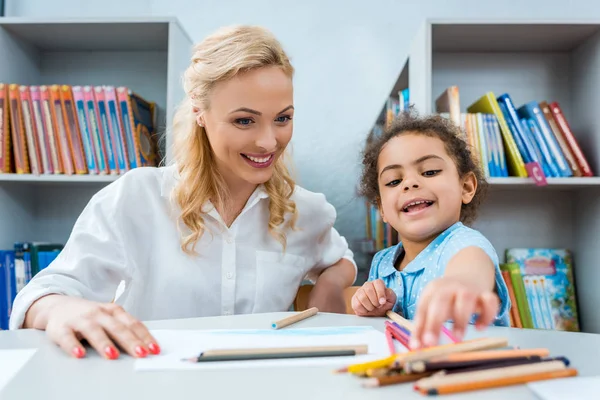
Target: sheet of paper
[
  {"x": 178, "y": 344},
  {"x": 11, "y": 361},
  {"x": 581, "y": 387}
]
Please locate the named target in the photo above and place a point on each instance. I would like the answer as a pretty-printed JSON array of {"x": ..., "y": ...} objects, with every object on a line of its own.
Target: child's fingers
[
  {"x": 438, "y": 311},
  {"x": 390, "y": 295},
  {"x": 371, "y": 294},
  {"x": 489, "y": 304},
  {"x": 363, "y": 298},
  {"x": 465, "y": 304},
  {"x": 380, "y": 291},
  {"x": 419, "y": 319},
  {"x": 358, "y": 308}
]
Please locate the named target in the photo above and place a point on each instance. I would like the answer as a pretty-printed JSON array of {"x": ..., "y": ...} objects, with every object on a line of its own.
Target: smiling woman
[{"x": 225, "y": 230}]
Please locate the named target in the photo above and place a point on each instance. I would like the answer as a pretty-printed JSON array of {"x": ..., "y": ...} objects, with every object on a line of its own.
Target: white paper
[
  {"x": 577, "y": 387},
  {"x": 11, "y": 361},
  {"x": 179, "y": 344}
]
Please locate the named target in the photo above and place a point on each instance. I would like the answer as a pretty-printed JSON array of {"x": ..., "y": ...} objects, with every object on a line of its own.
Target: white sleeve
[
  {"x": 92, "y": 263},
  {"x": 332, "y": 247}
]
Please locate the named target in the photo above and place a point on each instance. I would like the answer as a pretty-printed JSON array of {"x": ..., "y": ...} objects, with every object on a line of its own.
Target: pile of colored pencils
[{"x": 458, "y": 366}]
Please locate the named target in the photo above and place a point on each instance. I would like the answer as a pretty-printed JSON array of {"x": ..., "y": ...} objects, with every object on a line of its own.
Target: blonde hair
[{"x": 220, "y": 57}]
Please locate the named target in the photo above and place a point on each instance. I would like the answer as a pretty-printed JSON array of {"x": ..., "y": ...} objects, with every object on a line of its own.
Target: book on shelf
[
  {"x": 17, "y": 266},
  {"x": 541, "y": 285},
  {"x": 519, "y": 141},
  {"x": 73, "y": 129}
]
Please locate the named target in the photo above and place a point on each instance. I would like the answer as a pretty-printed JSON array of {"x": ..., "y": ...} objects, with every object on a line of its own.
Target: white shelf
[
  {"x": 553, "y": 183},
  {"x": 30, "y": 178}
]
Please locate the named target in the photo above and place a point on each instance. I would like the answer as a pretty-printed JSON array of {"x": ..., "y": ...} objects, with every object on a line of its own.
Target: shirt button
[
  {"x": 228, "y": 239},
  {"x": 229, "y": 275}
]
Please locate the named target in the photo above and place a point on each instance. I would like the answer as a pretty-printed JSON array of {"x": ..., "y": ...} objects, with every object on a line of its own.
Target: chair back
[{"x": 301, "y": 300}]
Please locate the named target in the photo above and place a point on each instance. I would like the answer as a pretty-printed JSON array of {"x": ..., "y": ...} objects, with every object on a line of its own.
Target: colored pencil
[
  {"x": 294, "y": 318},
  {"x": 422, "y": 366},
  {"x": 390, "y": 341},
  {"x": 393, "y": 379},
  {"x": 362, "y": 367},
  {"x": 492, "y": 354},
  {"x": 487, "y": 374},
  {"x": 499, "y": 382},
  {"x": 437, "y": 351},
  {"x": 399, "y": 338},
  {"x": 277, "y": 353},
  {"x": 403, "y": 322}
]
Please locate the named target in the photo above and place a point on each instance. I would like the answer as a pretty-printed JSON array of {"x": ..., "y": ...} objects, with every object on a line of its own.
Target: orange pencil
[{"x": 499, "y": 382}]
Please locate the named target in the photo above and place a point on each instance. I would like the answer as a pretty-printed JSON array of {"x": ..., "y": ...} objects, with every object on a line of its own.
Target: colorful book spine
[
  {"x": 558, "y": 135},
  {"x": 109, "y": 137},
  {"x": 116, "y": 128},
  {"x": 18, "y": 131},
  {"x": 50, "y": 128},
  {"x": 84, "y": 130},
  {"x": 5, "y": 142},
  {"x": 96, "y": 130},
  {"x": 62, "y": 134},
  {"x": 532, "y": 110},
  {"x": 33, "y": 146},
  {"x": 570, "y": 138},
  {"x": 42, "y": 134},
  {"x": 488, "y": 104},
  {"x": 133, "y": 153}
]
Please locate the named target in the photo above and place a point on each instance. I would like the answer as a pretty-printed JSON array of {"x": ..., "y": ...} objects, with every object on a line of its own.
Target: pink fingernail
[
  {"x": 154, "y": 348},
  {"x": 140, "y": 351},
  {"x": 78, "y": 352}
]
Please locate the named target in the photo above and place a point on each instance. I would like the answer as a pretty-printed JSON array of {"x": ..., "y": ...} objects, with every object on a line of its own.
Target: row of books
[
  {"x": 507, "y": 140},
  {"x": 17, "y": 266},
  {"x": 541, "y": 285},
  {"x": 63, "y": 129}
]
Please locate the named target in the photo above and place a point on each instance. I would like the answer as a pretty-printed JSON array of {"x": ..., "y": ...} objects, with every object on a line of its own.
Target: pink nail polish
[
  {"x": 154, "y": 348},
  {"x": 141, "y": 352},
  {"x": 111, "y": 353},
  {"x": 78, "y": 352}
]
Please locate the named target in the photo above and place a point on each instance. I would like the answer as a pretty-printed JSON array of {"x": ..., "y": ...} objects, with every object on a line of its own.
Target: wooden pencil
[
  {"x": 487, "y": 374},
  {"x": 390, "y": 341},
  {"x": 358, "y": 349},
  {"x": 491, "y": 354},
  {"x": 403, "y": 322},
  {"x": 362, "y": 367},
  {"x": 295, "y": 318},
  {"x": 451, "y": 348},
  {"x": 394, "y": 379},
  {"x": 499, "y": 382},
  {"x": 422, "y": 366}
]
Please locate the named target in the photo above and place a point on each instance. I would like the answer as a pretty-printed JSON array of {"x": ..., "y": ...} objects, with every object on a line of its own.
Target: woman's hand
[
  {"x": 104, "y": 325},
  {"x": 451, "y": 297},
  {"x": 373, "y": 299}
]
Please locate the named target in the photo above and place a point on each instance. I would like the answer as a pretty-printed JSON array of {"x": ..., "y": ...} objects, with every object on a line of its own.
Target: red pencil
[{"x": 390, "y": 341}]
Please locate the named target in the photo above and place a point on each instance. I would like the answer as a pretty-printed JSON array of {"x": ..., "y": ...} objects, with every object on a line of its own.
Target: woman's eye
[
  {"x": 243, "y": 121},
  {"x": 283, "y": 119},
  {"x": 393, "y": 183},
  {"x": 432, "y": 172}
]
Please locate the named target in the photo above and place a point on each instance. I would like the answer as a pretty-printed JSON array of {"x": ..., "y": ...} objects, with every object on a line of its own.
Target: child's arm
[{"x": 466, "y": 288}]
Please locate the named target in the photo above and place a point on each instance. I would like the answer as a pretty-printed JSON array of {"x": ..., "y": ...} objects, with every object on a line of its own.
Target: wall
[{"x": 347, "y": 55}]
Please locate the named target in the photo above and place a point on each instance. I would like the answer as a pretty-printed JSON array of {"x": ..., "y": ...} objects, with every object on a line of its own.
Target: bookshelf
[
  {"x": 531, "y": 60},
  {"x": 146, "y": 54}
]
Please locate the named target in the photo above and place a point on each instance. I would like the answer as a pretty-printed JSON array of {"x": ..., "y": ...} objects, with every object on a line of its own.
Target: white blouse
[{"x": 128, "y": 232}]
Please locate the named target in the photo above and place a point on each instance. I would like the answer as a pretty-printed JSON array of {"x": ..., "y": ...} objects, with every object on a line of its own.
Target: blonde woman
[{"x": 223, "y": 231}]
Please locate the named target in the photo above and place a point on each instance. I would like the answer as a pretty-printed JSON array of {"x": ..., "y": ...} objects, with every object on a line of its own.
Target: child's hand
[
  {"x": 451, "y": 298},
  {"x": 373, "y": 299}
]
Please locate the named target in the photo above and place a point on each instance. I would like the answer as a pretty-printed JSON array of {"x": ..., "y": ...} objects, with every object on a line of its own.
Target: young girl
[
  {"x": 422, "y": 177},
  {"x": 223, "y": 231}
]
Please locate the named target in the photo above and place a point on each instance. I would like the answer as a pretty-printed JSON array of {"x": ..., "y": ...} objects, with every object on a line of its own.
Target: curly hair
[
  {"x": 220, "y": 57},
  {"x": 432, "y": 126}
]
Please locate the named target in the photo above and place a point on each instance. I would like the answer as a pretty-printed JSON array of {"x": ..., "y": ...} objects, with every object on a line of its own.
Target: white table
[{"x": 50, "y": 374}]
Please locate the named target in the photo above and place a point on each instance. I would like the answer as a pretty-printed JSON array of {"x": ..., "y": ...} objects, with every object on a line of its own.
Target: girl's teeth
[{"x": 259, "y": 160}]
